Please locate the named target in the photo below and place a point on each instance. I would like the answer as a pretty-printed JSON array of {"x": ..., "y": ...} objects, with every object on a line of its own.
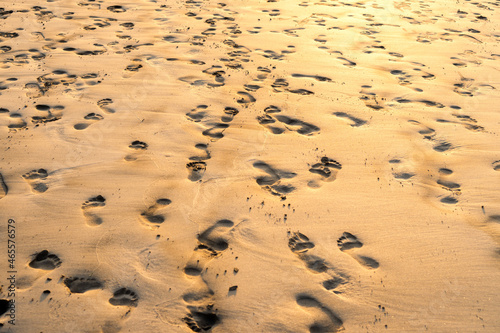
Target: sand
[{"x": 250, "y": 166}]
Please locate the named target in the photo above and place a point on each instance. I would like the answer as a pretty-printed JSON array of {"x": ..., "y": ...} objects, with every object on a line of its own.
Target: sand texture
[{"x": 250, "y": 165}]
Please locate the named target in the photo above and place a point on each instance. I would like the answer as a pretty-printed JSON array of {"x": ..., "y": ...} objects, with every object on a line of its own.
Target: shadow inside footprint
[
  {"x": 333, "y": 324},
  {"x": 368, "y": 262},
  {"x": 45, "y": 260},
  {"x": 150, "y": 214},
  {"x": 79, "y": 285},
  {"x": 196, "y": 170},
  {"x": 303, "y": 127},
  {"x": 348, "y": 241},
  {"x": 215, "y": 242},
  {"x": 299, "y": 243},
  {"x": 201, "y": 319},
  {"x": 124, "y": 297}
]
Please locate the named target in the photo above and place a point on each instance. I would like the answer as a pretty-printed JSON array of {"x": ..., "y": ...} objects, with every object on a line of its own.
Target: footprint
[
  {"x": 203, "y": 147},
  {"x": 91, "y": 116},
  {"x": 215, "y": 132},
  {"x": 103, "y": 104},
  {"x": 197, "y": 114},
  {"x": 3, "y": 187},
  {"x": 124, "y": 297},
  {"x": 496, "y": 166},
  {"x": 325, "y": 319},
  {"x": 79, "y": 285},
  {"x": 150, "y": 216},
  {"x": 196, "y": 170},
  {"x": 299, "y": 126},
  {"x": 88, "y": 207},
  {"x": 246, "y": 98},
  {"x": 272, "y": 182},
  {"x": 201, "y": 319},
  {"x": 356, "y": 122},
  {"x": 300, "y": 245},
  {"x": 401, "y": 171},
  {"x": 45, "y": 260},
  {"x": 138, "y": 145},
  {"x": 211, "y": 243},
  {"x": 348, "y": 242},
  {"x": 229, "y": 114},
  {"x": 327, "y": 168},
  {"x": 36, "y": 180}
]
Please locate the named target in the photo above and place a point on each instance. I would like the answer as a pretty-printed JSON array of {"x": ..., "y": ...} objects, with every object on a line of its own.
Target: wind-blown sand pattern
[{"x": 251, "y": 166}]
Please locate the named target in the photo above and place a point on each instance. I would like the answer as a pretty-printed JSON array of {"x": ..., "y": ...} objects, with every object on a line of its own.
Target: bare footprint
[
  {"x": 300, "y": 245},
  {"x": 348, "y": 242},
  {"x": 79, "y": 285},
  {"x": 196, "y": 170},
  {"x": 150, "y": 216},
  {"x": 211, "y": 243},
  {"x": 124, "y": 297},
  {"x": 356, "y": 122},
  {"x": 45, "y": 260},
  {"x": 88, "y": 207},
  {"x": 36, "y": 180},
  {"x": 297, "y": 125},
  {"x": 201, "y": 318},
  {"x": 92, "y": 117},
  {"x": 325, "y": 320},
  {"x": 272, "y": 182},
  {"x": 327, "y": 168},
  {"x": 103, "y": 104}
]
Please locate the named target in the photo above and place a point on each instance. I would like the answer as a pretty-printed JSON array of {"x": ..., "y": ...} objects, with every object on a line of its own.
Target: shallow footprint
[
  {"x": 35, "y": 178},
  {"x": 348, "y": 242},
  {"x": 151, "y": 217},
  {"x": 45, "y": 260},
  {"x": 356, "y": 122},
  {"x": 79, "y": 285},
  {"x": 89, "y": 205},
  {"x": 124, "y": 297}
]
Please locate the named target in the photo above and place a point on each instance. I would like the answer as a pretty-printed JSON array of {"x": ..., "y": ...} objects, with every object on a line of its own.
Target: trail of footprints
[
  {"x": 81, "y": 284},
  {"x": 215, "y": 131},
  {"x": 202, "y": 313},
  {"x": 335, "y": 280}
]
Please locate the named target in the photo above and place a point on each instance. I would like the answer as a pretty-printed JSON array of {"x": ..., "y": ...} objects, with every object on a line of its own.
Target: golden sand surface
[{"x": 249, "y": 166}]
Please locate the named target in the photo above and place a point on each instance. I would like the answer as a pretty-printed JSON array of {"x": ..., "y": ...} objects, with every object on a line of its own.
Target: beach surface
[{"x": 249, "y": 166}]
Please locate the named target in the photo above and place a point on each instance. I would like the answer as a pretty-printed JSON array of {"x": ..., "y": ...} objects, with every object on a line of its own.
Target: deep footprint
[
  {"x": 196, "y": 170},
  {"x": 79, "y": 285},
  {"x": 46, "y": 261},
  {"x": 201, "y": 319}
]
